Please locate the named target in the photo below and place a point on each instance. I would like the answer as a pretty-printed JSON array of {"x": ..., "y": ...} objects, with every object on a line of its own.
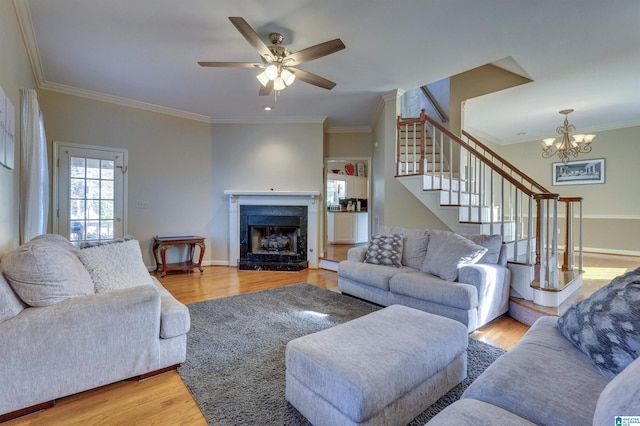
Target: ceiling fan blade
[
  {"x": 317, "y": 51},
  {"x": 265, "y": 90},
  {"x": 251, "y": 36},
  {"x": 310, "y": 78},
  {"x": 230, "y": 64}
]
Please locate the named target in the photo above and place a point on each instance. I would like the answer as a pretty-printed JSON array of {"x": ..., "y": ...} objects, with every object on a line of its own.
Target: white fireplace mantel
[{"x": 274, "y": 198}]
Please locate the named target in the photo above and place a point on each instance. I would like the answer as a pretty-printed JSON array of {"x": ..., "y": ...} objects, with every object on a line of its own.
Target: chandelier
[{"x": 566, "y": 147}]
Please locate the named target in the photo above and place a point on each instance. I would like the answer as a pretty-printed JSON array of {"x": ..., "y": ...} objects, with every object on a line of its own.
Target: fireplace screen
[{"x": 273, "y": 237}]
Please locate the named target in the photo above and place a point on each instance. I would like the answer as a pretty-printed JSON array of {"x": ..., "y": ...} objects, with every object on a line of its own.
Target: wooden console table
[{"x": 160, "y": 246}]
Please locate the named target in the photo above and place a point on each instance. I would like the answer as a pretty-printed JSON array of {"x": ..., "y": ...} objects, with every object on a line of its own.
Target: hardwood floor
[{"x": 165, "y": 400}]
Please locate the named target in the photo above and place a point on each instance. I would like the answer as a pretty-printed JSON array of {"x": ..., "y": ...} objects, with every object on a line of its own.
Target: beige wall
[
  {"x": 348, "y": 144},
  {"x": 611, "y": 210},
  {"x": 15, "y": 72},
  {"x": 181, "y": 167}
]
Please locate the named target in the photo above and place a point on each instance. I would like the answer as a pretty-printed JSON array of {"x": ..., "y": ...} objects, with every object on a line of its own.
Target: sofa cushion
[
  {"x": 434, "y": 289},
  {"x": 447, "y": 252},
  {"x": 606, "y": 325},
  {"x": 43, "y": 274},
  {"x": 621, "y": 397},
  {"x": 10, "y": 304},
  {"x": 415, "y": 244},
  {"x": 115, "y": 266},
  {"x": 372, "y": 275},
  {"x": 544, "y": 379},
  {"x": 493, "y": 244},
  {"x": 385, "y": 250}
]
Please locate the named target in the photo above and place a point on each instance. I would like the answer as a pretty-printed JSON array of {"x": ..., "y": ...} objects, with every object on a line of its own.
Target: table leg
[{"x": 201, "y": 245}]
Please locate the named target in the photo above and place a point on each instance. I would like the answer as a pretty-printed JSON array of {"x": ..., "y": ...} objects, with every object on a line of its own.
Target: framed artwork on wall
[{"x": 582, "y": 172}]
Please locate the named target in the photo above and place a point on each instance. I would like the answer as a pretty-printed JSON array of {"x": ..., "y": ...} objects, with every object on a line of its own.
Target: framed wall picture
[{"x": 583, "y": 172}]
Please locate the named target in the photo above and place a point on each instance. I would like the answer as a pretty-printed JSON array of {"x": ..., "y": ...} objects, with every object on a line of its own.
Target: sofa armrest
[
  {"x": 357, "y": 254},
  {"x": 174, "y": 316},
  {"x": 482, "y": 275},
  {"x": 493, "y": 284}
]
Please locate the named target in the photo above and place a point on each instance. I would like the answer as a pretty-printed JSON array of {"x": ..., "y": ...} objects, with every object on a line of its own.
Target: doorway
[
  {"x": 89, "y": 192},
  {"x": 346, "y": 218}
]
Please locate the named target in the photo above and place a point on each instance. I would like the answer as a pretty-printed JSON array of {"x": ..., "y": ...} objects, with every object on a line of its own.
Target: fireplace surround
[{"x": 273, "y": 230}]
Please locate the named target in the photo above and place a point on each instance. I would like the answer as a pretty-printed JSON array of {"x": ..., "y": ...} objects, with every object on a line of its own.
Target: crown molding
[
  {"x": 270, "y": 120},
  {"x": 29, "y": 36},
  {"x": 97, "y": 96}
]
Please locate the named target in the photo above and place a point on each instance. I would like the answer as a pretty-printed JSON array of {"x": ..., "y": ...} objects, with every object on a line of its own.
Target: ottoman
[{"x": 384, "y": 368}]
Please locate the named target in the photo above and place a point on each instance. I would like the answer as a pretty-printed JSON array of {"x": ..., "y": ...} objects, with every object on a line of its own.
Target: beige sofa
[
  {"x": 459, "y": 276},
  {"x": 73, "y": 320}
]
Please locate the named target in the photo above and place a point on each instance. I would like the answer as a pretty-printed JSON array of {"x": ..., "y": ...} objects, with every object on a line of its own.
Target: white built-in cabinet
[
  {"x": 355, "y": 186},
  {"x": 348, "y": 227}
]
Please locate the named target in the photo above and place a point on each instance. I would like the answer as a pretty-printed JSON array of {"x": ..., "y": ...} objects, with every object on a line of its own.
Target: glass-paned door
[{"x": 90, "y": 194}]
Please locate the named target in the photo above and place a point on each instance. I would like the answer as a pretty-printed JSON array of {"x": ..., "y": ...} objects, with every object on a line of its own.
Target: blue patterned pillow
[
  {"x": 385, "y": 250},
  {"x": 606, "y": 326}
]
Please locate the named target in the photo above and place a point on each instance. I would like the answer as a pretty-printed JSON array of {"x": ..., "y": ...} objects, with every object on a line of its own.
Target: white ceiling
[{"x": 580, "y": 54}]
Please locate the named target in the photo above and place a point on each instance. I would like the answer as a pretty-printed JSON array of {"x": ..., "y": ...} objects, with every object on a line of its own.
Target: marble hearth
[{"x": 296, "y": 219}]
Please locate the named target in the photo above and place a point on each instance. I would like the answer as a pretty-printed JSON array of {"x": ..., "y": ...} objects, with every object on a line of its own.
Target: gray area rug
[{"x": 235, "y": 352}]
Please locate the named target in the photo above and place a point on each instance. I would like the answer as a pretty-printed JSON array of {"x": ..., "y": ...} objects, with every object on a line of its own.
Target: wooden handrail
[
  {"x": 478, "y": 167},
  {"x": 452, "y": 136},
  {"x": 434, "y": 103},
  {"x": 506, "y": 163}
]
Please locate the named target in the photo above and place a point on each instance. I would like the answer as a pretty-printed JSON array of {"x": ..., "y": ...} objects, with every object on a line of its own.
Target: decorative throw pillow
[
  {"x": 115, "y": 266},
  {"x": 606, "y": 325},
  {"x": 56, "y": 240},
  {"x": 493, "y": 244},
  {"x": 447, "y": 252},
  {"x": 43, "y": 274},
  {"x": 385, "y": 250},
  {"x": 414, "y": 244},
  {"x": 87, "y": 244}
]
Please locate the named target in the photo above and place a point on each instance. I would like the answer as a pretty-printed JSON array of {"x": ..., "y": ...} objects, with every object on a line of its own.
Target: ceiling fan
[{"x": 278, "y": 63}]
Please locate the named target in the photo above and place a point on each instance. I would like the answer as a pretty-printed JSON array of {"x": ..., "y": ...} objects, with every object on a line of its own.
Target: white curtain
[{"x": 34, "y": 170}]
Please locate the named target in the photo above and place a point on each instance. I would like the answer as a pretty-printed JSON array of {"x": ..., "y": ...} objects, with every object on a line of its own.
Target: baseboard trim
[{"x": 594, "y": 250}]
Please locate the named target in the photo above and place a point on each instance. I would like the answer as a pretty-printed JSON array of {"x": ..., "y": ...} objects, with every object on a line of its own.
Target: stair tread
[{"x": 565, "y": 278}]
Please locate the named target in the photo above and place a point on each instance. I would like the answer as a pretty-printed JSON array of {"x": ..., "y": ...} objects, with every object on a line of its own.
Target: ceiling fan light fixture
[
  {"x": 278, "y": 84},
  {"x": 271, "y": 72},
  {"x": 287, "y": 76},
  {"x": 263, "y": 79}
]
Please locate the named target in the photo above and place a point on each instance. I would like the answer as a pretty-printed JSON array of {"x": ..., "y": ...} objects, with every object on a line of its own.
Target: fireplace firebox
[{"x": 273, "y": 238}]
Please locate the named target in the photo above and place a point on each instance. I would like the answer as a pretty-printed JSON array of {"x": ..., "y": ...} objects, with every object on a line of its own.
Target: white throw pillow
[
  {"x": 447, "y": 252},
  {"x": 115, "y": 266},
  {"x": 43, "y": 274}
]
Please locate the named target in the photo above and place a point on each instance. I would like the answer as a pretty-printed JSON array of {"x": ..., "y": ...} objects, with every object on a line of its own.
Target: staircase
[{"x": 472, "y": 189}]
